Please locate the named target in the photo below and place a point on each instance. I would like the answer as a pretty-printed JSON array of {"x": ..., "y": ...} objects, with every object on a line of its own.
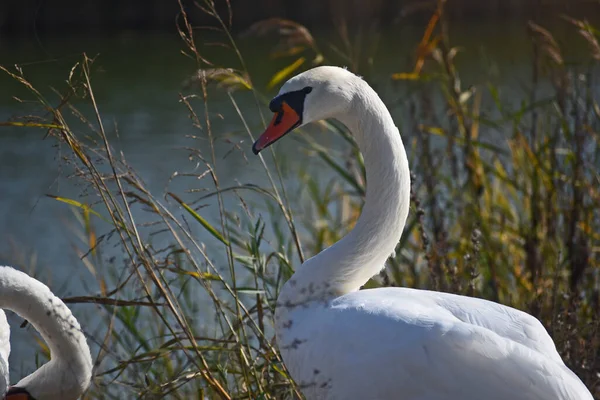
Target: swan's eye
[
  {"x": 295, "y": 99},
  {"x": 275, "y": 104}
]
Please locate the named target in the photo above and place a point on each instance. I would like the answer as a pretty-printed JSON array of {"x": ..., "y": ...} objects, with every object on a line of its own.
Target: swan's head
[{"x": 316, "y": 94}]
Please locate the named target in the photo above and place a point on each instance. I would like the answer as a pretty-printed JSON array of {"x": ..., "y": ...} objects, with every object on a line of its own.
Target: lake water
[{"x": 137, "y": 80}]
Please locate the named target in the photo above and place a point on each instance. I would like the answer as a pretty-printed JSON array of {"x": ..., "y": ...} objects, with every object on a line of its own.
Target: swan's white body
[
  {"x": 67, "y": 375},
  {"x": 4, "y": 353},
  {"x": 397, "y": 343}
]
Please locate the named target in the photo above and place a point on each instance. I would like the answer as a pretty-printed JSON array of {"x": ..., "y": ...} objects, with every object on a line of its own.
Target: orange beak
[
  {"x": 283, "y": 122},
  {"x": 17, "y": 394}
]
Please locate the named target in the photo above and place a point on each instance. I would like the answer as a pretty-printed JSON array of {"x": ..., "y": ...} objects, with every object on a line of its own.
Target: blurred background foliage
[{"x": 27, "y": 16}]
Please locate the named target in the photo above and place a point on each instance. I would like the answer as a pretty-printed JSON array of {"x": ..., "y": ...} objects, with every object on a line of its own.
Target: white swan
[
  {"x": 394, "y": 343},
  {"x": 68, "y": 373}
]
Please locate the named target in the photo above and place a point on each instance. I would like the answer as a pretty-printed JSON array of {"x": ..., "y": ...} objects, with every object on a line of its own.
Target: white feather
[{"x": 4, "y": 353}]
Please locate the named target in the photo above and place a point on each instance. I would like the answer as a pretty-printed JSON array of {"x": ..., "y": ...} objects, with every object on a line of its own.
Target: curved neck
[
  {"x": 68, "y": 373},
  {"x": 348, "y": 264}
]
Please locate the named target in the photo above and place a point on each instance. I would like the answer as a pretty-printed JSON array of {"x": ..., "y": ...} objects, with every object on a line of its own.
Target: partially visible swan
[
  {"x": 4, "y": 353},
  {"x": 68, "y": 373},
  {"x": 394, "y": 343}
]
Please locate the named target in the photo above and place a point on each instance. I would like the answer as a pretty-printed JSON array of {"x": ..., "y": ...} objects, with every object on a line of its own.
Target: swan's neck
[
  {"x": 348, "y": 264},
  {"x": 68, "y": 373}
]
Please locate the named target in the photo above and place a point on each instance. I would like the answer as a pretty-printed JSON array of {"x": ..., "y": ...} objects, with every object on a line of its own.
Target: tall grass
[{"x": 505, "y": 207}]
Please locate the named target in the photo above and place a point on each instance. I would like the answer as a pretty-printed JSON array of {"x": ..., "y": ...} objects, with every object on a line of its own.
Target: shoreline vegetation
[{"x": 504, "y": 207}]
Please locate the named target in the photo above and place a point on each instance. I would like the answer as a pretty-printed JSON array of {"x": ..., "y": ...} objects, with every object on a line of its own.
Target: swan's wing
[
  {"x": 412, "y": 344},
  {"x": 507, "y": 322},
  {"x": 4, "y": 353},
  {"x": 509, "y": 346},
  {"x": 469, "y": 345},
  {"x": 465, "y": 359}
]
